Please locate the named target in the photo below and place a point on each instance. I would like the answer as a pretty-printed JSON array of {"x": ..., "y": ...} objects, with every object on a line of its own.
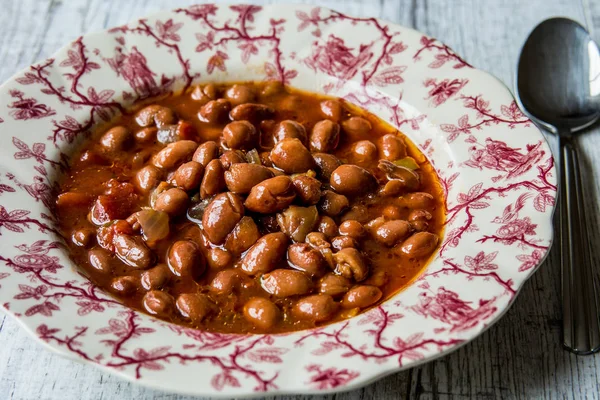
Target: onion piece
[
  {"x": 154, "y": 224},
  {"x": 407, "y": 162}
]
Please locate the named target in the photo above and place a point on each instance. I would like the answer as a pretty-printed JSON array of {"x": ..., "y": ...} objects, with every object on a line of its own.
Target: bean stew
[{"x": 250, "y": 208}]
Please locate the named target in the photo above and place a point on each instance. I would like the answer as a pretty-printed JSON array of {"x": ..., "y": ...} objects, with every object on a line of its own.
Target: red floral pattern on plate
[{"x": 496, "y": 169}]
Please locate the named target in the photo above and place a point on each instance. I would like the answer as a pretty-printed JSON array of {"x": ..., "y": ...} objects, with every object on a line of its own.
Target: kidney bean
[
  {"x": 352, "y": 228},
  {"x": 392, "y": 147},
  {"x": 350, "y": 264},
  {"x": 391, "y": 232},
  {"x": 243, "y": 236},
  {"x": 392, "y": 212},
  {"x": 124, "y": 285},
  {"x": 158, "y": 303},
  {"x": 147, "y": 178},
  {"x": 292, "y": 157},
  {"x": 240, "y": 135},
  {"x": 418, "y": 200},
  {"x": 377, "y": 278},
  {"x": 343, "y": 242},
  {"x": 317, "y": 308},
  {"x": 305, "y": 258},
  {"x": 261, "y": 312},
  {"x": 333, "y": 204},
  {"x": 352, "y": 180},
  {"x": 325, "y": 136},
  {"x": 356, "y": 127},
  {"x": 206, "y": 152},
  {"x": 218, "y": 258},
  {"x": 228, "y": 281},
  {"x": 420, "y": 244},
  {"x": 252, "y": 112},
  {"x": 146, "y": 135},
  {"x": 174, "y": 154},
  {"x": 286, "y": 282},
  {"x": 221, "y": 215},
  {"x": 155, "y": 278},
  {"x": 214, "y": 111},
  {"x": 213, "y": 181},
  {"x": 331, "y": 109},
  {"x": 364, "y": 152},
  {"x": 83, "y": 237},
  {"x": 116, "y": 139},
  {"x": 289, "y": 129},
  {"x": 358, "y": 212},
  {"x": 334, "y": 285},
  {"x": 204, "y": 94},
  {"x": 99, "y": 259},
  {"x": 308, "y": 189},
  {"x": 361, "y": 296},
  {"x": 326, "y": 164},
  {"x": 241, "y": 178},
  {"x": 132, "y": 251},
  {"x": 271, "y": 195},
  {"x": 404, "y": 178},
  {"x": 188, "y": 176},
  {"x": 240, "y": 94},
  {"x": 173, "y": 201},
  {"x": 195, "y": 306},
  {"x": 186, "y": 260},
  {"x": 155, "y": 115},
  {"x": 327, "y": 226},
  {"x": 230, "y": 157},
  {"x": 265, "y": 255}
]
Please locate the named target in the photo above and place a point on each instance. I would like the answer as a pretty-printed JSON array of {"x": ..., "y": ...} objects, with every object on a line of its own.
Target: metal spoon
[{"x": 558, "y": 86}]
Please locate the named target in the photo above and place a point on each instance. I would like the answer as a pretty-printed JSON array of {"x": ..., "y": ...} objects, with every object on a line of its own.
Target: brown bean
[
  {"x": 377, "y": 278},
  {"x": 204, "y": 94},
  {"x": 343, "y": 242},
  {"x": 419, "y": 219},
  {"x": 230, "y": 157},
  {"x": 289, "y": 129},
  {"x": 331, "y": 109},
  {"x": 333, "y": 204},
  {"x": 240, "y": 135},
  {"x": 358, "y": 212},
  {"x": 271, "y": 88},
  {"x": 214, "y": 111},
  {"x": 327, "y": 226},
  {"x": 147, "y": 178},
  {"x": 132, "y": 251},
  {"x": 155, "y": 115},
  {"x": 364, "y": 152},
  {"x": 352, "y": 228},
  {"x": 292, "y": 157},
  {"x": 158, "y": 303},
  {"x": 325, "y": 136},
  {"x": 334, "y": 285},
  {"x": 155, "y": 278},
  {"x": 392, "y": 212},
  {"x": 243, "y": 236},
  {"x": 83, "y": 237},
  {"x": 116, "y": 139},
  {"x": 218, "y": 259},
  {"x": 265, "y": 255},
  {"x": 146, "y": 135},
  {"x": 261, "y": 312},
  {"x": 271, "y": 195},
  {"x": 418, "y": 200},
  {"x": 374, "y": 224},
  {"x": 206, "y": 152},
  {"x": 252, "y": 112},
  {"x": 361, "y": 296},
  {"x": 124, "y": 285},
  {"x": 305, "y": 258},
  {"x": 241, "y": 178},
  {"x": 420, "y": 244},
  {"x": 356, "y": 127},
  {"x": 391, "y": 232},
  {"x": 221, "y": 215},
  {"x": 240, "y": 94},
  {"x": 326, "y": 164},
  {"x": 213, "y": 181},
  {"x": 174, "y": 154},
  {"x": 352, "y": 180},
  {"x": 195, "y": 306},
  {"x": 173, "y": 201},
  {"x": 186, "y": 260},
  {"x": 286, "y": 282},
  {"x": 99, "y": 259},
  {"x": 227, "y": 281},
  {"x": 188, "y": 176},
  {"x": 317, "y": 308},
  {"x": 308, "y": 189},
  {"x": 392, "y": 147},
  {"x": 350, "y": 264}
]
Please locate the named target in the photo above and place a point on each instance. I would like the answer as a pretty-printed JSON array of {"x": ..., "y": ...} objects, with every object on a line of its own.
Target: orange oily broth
[{"x": 304, "y": 108}]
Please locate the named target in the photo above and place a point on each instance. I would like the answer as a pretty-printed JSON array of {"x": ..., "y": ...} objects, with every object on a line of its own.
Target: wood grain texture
[{"x": 520, "y": 357}]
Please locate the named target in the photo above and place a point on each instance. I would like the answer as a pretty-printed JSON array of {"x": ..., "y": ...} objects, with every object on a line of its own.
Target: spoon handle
[{"x": 581, "y": 319}]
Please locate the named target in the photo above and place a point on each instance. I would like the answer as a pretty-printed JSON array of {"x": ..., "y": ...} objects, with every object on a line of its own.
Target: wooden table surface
[{"x": 519, "y": 357}]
